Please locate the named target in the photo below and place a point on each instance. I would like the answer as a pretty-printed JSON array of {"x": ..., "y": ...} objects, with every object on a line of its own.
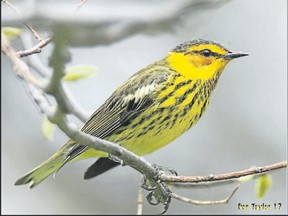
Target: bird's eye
[{"x": 206, "y": 52}]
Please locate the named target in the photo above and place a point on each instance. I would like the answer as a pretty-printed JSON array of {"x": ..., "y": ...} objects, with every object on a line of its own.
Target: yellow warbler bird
[{"x": 148, "y": 111}]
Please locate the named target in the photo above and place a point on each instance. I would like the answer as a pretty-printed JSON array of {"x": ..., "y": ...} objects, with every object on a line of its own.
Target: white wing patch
[{"x": 140, "y": 93}]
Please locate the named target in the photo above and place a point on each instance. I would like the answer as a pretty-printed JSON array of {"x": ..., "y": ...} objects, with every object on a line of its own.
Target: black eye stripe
[{"x": 214, "y": 54}]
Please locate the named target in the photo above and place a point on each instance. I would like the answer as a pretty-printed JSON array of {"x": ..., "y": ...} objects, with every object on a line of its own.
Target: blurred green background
[{"x": 245, "y": 125}]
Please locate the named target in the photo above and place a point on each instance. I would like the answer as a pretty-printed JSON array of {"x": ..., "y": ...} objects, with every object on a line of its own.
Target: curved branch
[{"x": 198, "y": 202}]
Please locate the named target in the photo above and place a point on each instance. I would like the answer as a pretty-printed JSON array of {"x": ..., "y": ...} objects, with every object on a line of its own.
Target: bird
[{"x": 151, "y": 109}]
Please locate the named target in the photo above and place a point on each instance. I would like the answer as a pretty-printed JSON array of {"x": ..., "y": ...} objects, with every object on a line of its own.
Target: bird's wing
[
  {"x": 130, "y": 99},
  {"x": 100, "y": 166}
]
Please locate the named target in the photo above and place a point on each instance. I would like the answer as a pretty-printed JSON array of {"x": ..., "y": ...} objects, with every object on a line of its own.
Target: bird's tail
[{"x": 50, "y": 166}]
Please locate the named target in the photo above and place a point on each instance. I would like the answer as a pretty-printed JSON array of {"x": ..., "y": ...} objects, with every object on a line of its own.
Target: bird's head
[{"x": 200, "y": 59}]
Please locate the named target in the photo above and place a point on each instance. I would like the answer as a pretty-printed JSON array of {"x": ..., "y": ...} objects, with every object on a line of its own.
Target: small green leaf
[
  {"x": 11, "y": 32},
  {"x": 79, "y": 72},
  {"x": 262, "y": 185},
  {"x": 245, "y": 179},
  {"x": 47, "y": 129}
]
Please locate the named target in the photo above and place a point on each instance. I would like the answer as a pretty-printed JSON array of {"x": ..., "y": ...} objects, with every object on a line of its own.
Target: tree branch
[
  {"x": 223, "y": 177},
  {"x": 97, "y": 28}
]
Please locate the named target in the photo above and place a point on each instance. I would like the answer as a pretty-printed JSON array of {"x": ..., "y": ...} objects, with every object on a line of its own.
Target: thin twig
[
  {"x": 82, "y": 2},
  {"x": 42, "y": 42},
  {"x": 36, "y": 35},
  {"x": 140, "y": 201},
  {"x": 11, "y": 5},
  {"x": 198, "y": 202},
  {"x": 34, "y": 60},
  {"x": 28, "y": 26},
  {"x": 225, "y": 176},
  {"x": 35, "y": 49}
]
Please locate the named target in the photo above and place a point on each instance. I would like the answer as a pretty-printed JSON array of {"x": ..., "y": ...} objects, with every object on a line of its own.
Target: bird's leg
[
  {"x": 160, "y": 170},
  {"x": 152, "y": 197},
  {"x": 149, "y": 198},
  {"x": 145, "y": 185},
  {"x": 155, "y": 195},
  {"x": 167, "y": 203}
]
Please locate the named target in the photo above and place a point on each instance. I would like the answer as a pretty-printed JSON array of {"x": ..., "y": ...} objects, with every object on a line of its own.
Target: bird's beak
[{"x": 231, "y": 56}]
